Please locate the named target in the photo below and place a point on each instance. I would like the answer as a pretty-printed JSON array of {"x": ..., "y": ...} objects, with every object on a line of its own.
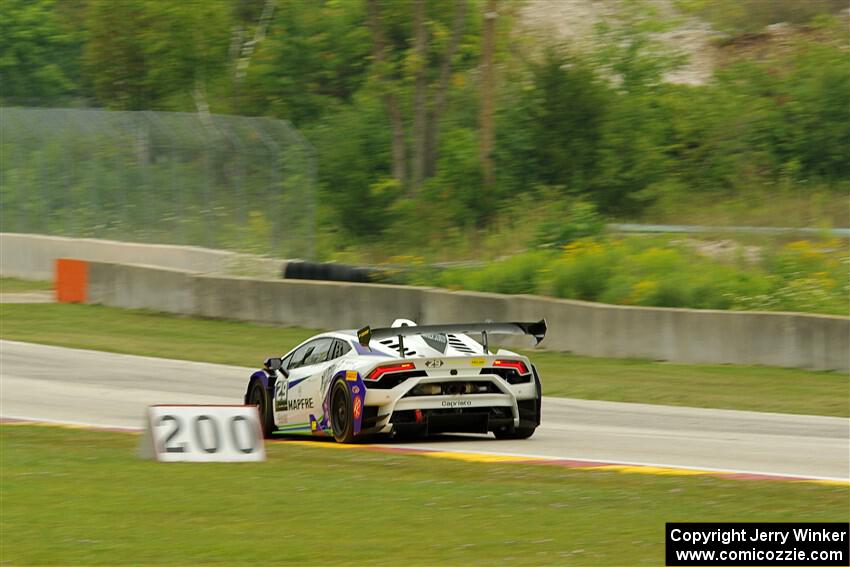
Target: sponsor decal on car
[
  {"x": 326, "y": 376},
  {"x": 355, "y": 389},
  {"x": 437, "y": 341},
  {"x": 456, "y": 403},
  {"x": 351, "y": 376},
  {"x": 363, "y": 335},
  {"x": 358, "y": 408},
  {"x": 477, "y": 361},
  {"x": 300, "y": 403}
]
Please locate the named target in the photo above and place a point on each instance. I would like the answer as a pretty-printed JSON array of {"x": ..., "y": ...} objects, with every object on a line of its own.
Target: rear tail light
[
  {"x": 517, "y": 365},
  {"x": 381, "y": 370}
]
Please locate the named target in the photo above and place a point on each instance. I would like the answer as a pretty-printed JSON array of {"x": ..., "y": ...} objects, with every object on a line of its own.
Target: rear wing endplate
[{"x": 536, "y": 330}]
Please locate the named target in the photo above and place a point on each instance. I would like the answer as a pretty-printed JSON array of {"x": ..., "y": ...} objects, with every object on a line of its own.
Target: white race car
[{"x": 407, "y": 380}]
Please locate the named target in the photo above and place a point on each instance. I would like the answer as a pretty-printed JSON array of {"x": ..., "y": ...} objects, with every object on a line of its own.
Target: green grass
[
  {"x": 14, "y": 285},
  {"x": 146, "y": 333},
  {"x": 74, "y": 497},
  {"x": 757, "y": 388}
]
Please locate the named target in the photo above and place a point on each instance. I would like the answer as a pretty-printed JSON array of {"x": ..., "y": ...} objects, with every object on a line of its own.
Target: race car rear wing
[{"x": 536, "y": 330}]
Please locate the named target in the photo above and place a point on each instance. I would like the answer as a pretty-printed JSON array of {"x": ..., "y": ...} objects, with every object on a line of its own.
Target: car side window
[
  {"x": 339, "y": 348},
  {"x": 319, "y": 352},
  {"x": 296, "y": 359},
  {"x": 315, "y": 352}
]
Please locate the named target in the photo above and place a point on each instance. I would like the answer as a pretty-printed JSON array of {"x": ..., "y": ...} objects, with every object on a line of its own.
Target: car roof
[{"x": 457, "y": 344}]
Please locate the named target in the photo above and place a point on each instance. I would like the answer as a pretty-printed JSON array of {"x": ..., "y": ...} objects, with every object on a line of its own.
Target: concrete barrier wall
[
  {"x": 692, "y": 335},
  {"x": 32, "y": 256},
  {"x": 680, "y": 335},
  {"x": 142, "y": 287}
]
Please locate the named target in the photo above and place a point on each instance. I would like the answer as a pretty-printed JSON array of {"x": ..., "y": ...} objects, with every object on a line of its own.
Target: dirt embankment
[{"x": 573, "y": 22}]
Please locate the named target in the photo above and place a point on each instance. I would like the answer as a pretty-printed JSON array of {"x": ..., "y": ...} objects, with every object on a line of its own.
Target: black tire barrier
[{"x": 328, "y": 272}]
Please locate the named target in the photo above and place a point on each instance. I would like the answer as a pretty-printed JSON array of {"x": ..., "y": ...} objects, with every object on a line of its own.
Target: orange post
[{"x": 72, "y": 279}]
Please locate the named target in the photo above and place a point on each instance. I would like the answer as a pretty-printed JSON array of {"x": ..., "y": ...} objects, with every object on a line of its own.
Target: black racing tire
[
  {"x": 259, "y": 397},
  {"x": 342, "y": 416},
  {"x": 526, "y": 428},
  {"x": 521, "y": 432},
  {"x": 411, "y": 434},
  {"x": 539, "y": 388}
]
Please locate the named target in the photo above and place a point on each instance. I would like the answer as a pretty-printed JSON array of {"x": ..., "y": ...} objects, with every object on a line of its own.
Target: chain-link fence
[{"x": 228, "y": 182}]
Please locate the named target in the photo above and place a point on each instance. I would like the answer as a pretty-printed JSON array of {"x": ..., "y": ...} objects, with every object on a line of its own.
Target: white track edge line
[
  {"x": 37, "y": 420},
  {"x": 491, "y": 453},
  {"x": 630, "y": 463}
]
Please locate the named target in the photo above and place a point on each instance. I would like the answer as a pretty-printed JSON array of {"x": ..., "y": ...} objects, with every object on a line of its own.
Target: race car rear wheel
[
  {"x": 342, "y": 420},
  {"x": 521, "y": 432},
  {"x": 527, "y": 427},
  {"x": 260, "y": 397}
]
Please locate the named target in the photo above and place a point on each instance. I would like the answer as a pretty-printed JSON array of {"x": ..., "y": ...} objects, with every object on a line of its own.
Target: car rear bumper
[{"x": 502, "y": 406}]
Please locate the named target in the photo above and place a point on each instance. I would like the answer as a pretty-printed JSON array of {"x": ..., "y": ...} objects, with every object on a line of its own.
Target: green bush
[
  {"x": 747, "y": 16},
  {"x": 583, "y": 271},
  {"x": 805, "y": 276},
  {"x": 518, "y": 274},
  {"x": 568, "y": 220},
  {"x": 802, "y": 276}
]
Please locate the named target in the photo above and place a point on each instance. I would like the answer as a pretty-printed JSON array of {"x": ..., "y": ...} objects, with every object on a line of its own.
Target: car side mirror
[{"x": 272, "y": 363}]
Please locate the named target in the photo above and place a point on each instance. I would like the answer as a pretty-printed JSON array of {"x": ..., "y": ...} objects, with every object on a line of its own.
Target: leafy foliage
[
  {"x": 749, "y": 16},
  {"x": 584, "y": 132},
  {"x": 148, "y": 55},
  {"x": 808, "y": 276},
  {"x": 314, "y": 58},
  {"x": 566, "y": 137},
  {"x": 39, "y": 50},
  {"x": 518, "y": 274}
]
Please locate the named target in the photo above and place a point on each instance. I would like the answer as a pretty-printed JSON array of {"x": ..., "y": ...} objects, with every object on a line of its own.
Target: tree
[
  {"x": 488, "y": 88},
  {"x": 428, "y": 66},
  {"x": 568, "y": 112},
  {"x": 399, "y": 151},
  {"x": 631, "y": 149},
  {"x": 420, "y": 111},
  {"x": 355, "y": 177},
  {"x": 313, "y": 59},
  {"x": 39, "y": 50},
  {"x": 432, "y": 133},
  {"x": 149, "y": 55}
]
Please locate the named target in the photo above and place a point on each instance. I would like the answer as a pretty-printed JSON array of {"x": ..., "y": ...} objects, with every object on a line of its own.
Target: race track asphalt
[{"x": 39, "y": 382}]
